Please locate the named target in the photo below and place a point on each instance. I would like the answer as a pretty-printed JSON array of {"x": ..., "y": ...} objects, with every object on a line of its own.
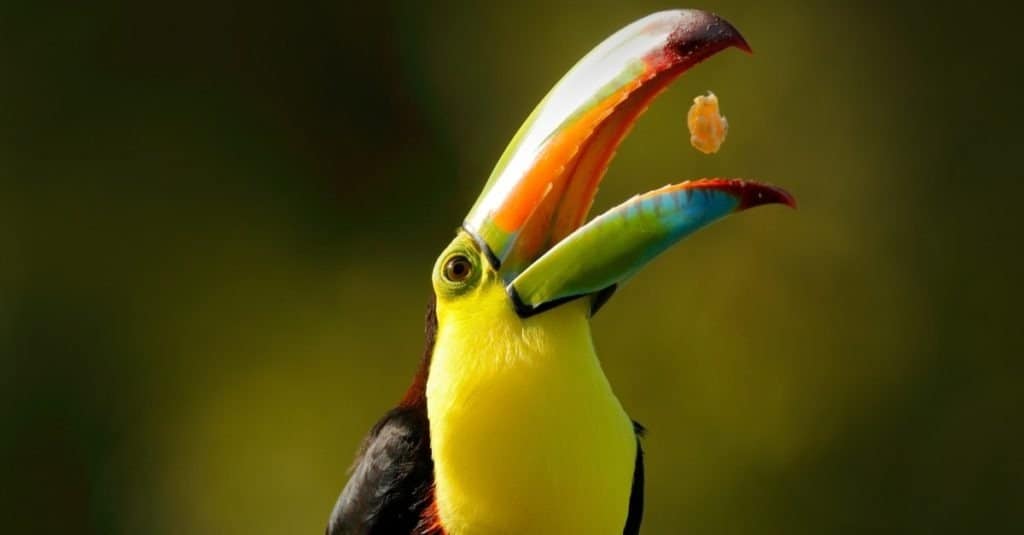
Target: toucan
[{"x": 510, "y": 425}]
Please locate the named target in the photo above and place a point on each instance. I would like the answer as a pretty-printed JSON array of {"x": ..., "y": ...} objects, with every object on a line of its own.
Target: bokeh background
[{"x": 217, "y": 223}]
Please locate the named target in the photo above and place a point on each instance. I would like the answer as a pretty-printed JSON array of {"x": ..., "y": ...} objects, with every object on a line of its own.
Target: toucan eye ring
[{"x": 458, "y": 268}]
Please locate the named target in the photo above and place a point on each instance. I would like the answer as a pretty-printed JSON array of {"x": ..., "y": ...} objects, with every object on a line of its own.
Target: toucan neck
[{"x": 521, "y": 413}]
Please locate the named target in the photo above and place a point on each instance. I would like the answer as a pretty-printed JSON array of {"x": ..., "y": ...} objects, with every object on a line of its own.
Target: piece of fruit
[{"x": 707, "y": 125}]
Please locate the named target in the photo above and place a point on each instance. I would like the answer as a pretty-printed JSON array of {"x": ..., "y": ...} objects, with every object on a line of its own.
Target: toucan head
[{"x": 528, "y": 234}]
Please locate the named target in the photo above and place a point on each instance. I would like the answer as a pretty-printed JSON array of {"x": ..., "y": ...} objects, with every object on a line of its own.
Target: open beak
[{"x": 529, "y": 219}]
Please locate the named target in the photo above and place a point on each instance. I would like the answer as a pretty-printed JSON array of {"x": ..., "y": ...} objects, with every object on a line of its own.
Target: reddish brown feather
[
  {"x": 416, "y": 395},
  {"x": 430, "y": 523}
]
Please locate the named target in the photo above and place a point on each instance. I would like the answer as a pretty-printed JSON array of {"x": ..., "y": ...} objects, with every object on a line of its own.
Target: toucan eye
[{"x": 458, "y": 268}]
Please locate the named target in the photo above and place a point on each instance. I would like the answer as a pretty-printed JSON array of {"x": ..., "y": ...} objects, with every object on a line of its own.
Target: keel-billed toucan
[{"x": 510, "y": 426}]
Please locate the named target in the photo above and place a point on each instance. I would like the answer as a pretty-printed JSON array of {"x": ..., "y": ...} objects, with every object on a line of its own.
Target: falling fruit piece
[{"x": 707, "y": 125}]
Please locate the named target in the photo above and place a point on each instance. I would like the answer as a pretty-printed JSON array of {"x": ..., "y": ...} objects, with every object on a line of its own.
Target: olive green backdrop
[{"x": 217, "y": 224}]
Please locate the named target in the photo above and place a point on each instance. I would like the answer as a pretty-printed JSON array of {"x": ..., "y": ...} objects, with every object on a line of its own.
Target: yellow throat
[{"x": 526, "y": 434}]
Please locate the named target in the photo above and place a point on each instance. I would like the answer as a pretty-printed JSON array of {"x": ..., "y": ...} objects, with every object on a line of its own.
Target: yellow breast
[{"x": 526, "y": 434}]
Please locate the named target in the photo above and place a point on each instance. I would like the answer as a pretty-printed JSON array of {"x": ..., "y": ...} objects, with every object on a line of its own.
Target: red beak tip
[
  {"x": 744, "y": 46},
  {"x": 702, "y": 34},
  {"x": 732, "y": 36},
  {"x": 754, "y": 194},
  {"x": 748, "y": 192}
]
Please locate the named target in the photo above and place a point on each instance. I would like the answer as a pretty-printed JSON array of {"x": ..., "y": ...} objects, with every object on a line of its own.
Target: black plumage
[
  {"x": 390, "y": 487},
  {"x": 636, "y": 495}
]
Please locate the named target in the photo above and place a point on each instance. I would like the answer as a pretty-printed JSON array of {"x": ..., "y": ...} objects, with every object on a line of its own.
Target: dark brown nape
[{"x": 416, "y": 395}]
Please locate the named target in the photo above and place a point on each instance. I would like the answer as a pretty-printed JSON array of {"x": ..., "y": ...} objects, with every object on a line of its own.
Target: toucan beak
[{"x": 529, "y": 217}]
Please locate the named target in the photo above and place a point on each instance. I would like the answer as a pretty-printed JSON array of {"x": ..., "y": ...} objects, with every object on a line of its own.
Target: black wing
[
  {"x": 636, "y": 496},
  {"x": 390, "y": 484}
]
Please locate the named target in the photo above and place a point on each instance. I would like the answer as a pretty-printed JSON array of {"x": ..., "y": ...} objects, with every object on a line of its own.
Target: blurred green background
[{"x": 217, "y": 223}]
